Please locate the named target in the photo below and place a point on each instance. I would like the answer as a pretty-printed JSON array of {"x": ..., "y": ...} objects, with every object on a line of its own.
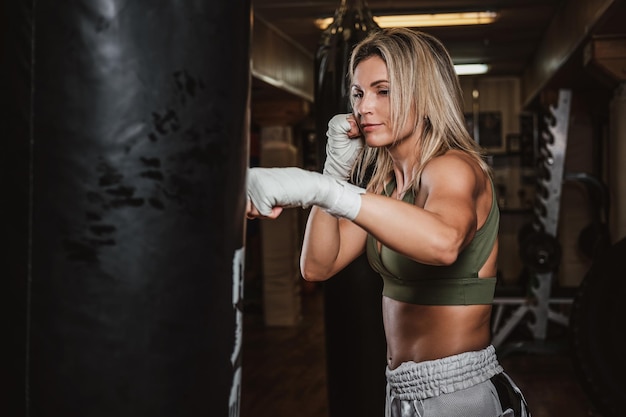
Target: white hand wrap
[
  {"x": 341, "y": 151},
  {"x": 296, "y": 187}
]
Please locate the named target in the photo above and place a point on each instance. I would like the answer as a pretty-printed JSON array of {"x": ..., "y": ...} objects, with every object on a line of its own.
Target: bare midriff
[{"x": 423, "y": 332}]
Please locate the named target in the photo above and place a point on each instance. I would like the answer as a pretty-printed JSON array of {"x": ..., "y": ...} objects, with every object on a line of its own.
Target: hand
[
  {"x": 271, "y": 188},
  {"x": 343, "y": 146},
  {"x": 253, "y": 213}
]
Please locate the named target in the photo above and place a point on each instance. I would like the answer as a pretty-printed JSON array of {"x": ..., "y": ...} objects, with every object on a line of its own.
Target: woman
[{"x": 427, "y": 218}]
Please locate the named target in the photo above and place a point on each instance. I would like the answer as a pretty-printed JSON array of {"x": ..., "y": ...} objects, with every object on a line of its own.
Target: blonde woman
[{"x": 424, "y": 211}]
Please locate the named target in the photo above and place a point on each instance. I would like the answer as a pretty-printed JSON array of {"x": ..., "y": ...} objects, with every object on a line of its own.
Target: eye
[
  {"x": 357, "y": 94},
  {"x": 383, "y": 92}
]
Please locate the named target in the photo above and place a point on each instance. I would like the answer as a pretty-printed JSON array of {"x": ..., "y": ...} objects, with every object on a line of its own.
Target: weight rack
[{"x": 540, "y": 249}]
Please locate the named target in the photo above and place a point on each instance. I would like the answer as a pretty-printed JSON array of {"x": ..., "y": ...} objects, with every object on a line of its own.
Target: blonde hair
[{"x": 424, "y": 90}]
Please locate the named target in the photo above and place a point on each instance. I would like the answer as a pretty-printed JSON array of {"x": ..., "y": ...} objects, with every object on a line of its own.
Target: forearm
[
  {"x": 320, "y": 246},
  {"x": 329, "y": 245}
]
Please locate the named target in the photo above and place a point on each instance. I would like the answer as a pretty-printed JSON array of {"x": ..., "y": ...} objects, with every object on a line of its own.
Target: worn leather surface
[{"x": 133, "y": 145}]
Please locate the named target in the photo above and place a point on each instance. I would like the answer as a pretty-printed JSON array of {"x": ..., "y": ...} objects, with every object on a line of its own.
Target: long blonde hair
[{"x": 425, "y": 91}]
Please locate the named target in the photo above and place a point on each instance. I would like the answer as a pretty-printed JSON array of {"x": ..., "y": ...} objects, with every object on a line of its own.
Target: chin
[
  {"x": 371, "y": 141},
  {"x": 377, "y": 143}
]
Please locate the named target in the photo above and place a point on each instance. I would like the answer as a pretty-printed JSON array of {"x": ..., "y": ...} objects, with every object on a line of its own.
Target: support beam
[{"x": 571, "y": 25}]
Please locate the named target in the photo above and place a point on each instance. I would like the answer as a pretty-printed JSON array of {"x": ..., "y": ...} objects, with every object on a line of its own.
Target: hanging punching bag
[
  {"x": 129, "y": 136},
  {"x": 355, "y": 340}
]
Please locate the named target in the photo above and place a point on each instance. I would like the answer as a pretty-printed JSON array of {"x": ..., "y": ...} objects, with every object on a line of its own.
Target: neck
[{"x": 404, "y": 165}]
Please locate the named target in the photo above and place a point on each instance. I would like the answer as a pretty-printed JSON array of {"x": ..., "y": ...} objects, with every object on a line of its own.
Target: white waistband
[{"x": 418, "y": 381}]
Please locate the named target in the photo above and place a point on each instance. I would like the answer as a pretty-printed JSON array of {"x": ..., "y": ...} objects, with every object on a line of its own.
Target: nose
[{"x": 365, "y": 104}]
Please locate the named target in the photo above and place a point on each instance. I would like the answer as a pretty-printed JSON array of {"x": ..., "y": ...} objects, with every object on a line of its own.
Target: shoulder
[
  {"x": 455, "y": 169},
  {"x": 452, "y": 163}
]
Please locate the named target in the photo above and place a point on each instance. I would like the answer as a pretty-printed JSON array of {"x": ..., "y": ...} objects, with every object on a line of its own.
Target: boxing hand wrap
[
  {"x": 341, "y": 151},
  {"x": 296, "y": 187}
]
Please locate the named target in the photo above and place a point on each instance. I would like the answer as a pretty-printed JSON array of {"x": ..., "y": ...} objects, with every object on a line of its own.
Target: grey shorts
[{"x": 470, "y": 384}]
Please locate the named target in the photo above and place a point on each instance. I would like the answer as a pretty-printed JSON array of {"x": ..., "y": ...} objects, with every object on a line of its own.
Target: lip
[{"x": 369, "y": 127}]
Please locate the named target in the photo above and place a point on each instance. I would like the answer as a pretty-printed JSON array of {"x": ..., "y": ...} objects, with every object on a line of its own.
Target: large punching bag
[
  {"x": 355, "y": 340},
  {"x": 127, "y": 146}
]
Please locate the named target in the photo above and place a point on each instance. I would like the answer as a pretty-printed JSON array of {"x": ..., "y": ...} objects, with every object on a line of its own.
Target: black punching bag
[
  {"x": 355, "y": 341},
  {"x": 127, "y": 146}
]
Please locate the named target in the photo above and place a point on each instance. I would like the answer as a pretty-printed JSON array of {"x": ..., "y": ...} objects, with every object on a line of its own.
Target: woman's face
[{"x": 370, "y": 92}]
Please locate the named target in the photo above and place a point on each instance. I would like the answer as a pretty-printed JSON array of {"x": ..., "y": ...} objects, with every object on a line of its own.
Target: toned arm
[{"x": 444, "y": 218}]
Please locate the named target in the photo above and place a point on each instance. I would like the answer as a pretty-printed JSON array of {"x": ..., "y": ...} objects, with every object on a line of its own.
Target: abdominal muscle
[{"x": 423, "y": 332}]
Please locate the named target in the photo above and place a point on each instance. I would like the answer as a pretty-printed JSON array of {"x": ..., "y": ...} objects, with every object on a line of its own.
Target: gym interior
[
  {"x": 554, "y": 135},
  {"x": 135, "y": 285}
]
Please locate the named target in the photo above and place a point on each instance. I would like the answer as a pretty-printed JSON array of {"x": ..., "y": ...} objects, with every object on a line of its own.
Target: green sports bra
[{"x": 457, "y": 284}]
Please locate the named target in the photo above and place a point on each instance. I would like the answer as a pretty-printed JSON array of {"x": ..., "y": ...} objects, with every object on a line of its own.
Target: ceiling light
[
  {"x": 440, "y": 19},
  {"x": 425, "y": 20},
  {"x": 471, "y": 69}
]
